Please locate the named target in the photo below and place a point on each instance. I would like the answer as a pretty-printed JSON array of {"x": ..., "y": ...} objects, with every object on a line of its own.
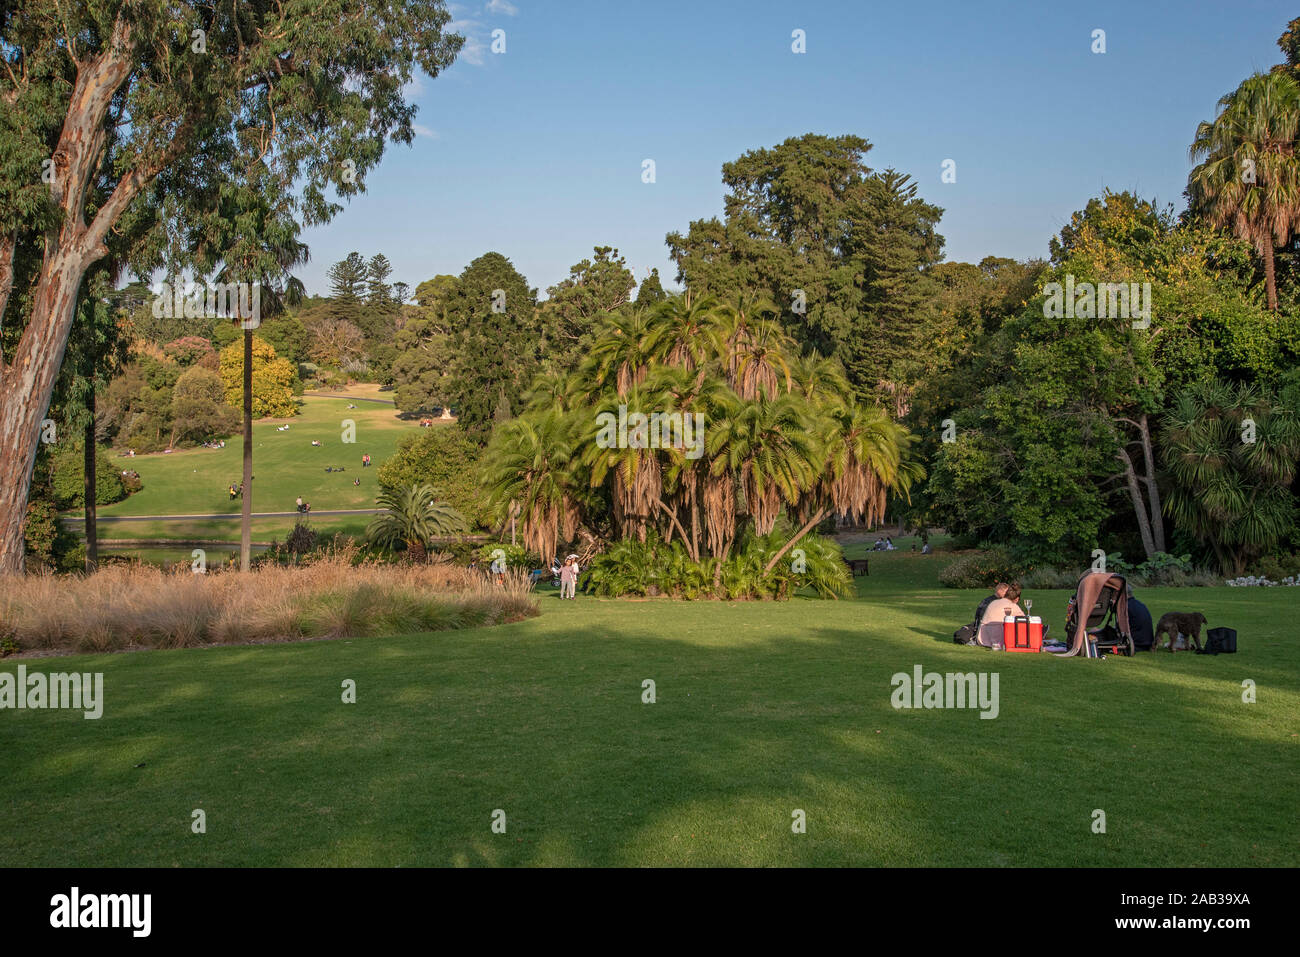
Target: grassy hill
[{"x": 285, "y": 465}]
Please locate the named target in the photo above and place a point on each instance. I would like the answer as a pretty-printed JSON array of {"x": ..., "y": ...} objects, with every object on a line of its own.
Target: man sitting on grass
[{"x": 999, "y": 591}]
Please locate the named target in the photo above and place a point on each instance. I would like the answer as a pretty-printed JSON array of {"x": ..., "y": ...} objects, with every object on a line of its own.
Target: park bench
[{"x": 858, "y": 566}]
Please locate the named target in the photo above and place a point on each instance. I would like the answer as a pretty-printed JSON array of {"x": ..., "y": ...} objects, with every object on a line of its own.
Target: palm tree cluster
[
  {"x": 781, "y": 434},
  {"x": 1231, "y": 451}
]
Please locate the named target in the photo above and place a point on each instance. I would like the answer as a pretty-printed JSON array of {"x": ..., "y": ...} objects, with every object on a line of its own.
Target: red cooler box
[{"x": 1023, "y": 634}]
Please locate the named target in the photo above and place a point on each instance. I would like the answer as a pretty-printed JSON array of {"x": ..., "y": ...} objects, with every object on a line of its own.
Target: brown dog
[{"x": 1177, "y": 623}]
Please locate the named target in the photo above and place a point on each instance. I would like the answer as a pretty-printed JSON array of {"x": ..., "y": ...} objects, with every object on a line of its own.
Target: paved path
[
  {"x": 201, "y": 518},
  {"x": 351, "y": 398}
]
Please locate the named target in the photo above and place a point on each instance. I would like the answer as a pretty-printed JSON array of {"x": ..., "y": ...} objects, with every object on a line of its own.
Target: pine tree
[
  {"x": 378, "y": 291},
  {"x": 651, "y": 291},
  {"x": 348, "y": 278}
]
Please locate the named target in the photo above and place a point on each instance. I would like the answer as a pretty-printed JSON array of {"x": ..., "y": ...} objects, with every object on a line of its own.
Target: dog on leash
[{"x": 1177, "y": 623}]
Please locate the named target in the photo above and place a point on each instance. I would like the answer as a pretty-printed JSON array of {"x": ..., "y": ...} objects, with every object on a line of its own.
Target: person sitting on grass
[
  {"x": 996, "y": 613},
  {"x": 1139, "y": 624},
  {"x": 999, "y": 591}
]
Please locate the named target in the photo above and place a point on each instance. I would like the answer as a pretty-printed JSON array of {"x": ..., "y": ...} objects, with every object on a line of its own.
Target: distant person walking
[
  {"x": 365, "y": 461},
  {"x": 569, "y": 578}
]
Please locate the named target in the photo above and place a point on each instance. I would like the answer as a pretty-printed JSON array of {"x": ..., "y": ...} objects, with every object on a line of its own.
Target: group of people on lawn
[{"x": 1006, "y": 600}]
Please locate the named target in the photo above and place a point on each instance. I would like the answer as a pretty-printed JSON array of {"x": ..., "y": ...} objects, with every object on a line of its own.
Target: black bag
[
  {"x": 1220, "y": 641},
  {"x": 966, "y": 634}
]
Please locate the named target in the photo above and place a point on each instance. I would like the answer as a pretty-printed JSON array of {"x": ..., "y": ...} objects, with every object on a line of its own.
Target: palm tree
[
  {"x": 528, "y": 471},
  {"x": 1248, "y": 179},
  {"x": 412, "y": 516},
  {"x": 552, "y": 389},
  {"x": 768, "y": 444},
  {"x": 684, "y": 334},
  {"x": 637, "y": 472},
  {"x": 1231, "y": 494},
  {"x": 865, "y": 456},
  {"x": 819, "y": 379},
  {"x": 689, "y": 393},
  {"x": 619, "y": 352},
  {"x": 761, "y": 363}
]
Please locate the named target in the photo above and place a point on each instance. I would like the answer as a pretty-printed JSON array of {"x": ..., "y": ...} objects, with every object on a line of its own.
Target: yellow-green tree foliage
[{"x": 272, "y": 379}]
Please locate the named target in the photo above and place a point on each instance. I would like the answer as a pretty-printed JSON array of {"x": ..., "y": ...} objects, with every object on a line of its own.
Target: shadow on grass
[{"x": 752, "y": 721}]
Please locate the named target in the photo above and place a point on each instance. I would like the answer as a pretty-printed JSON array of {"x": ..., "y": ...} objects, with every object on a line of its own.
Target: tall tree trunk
[
  {"x": 89, "y": 484},
  {"x": 26, "y": 386},
  {"x": 1153, "y": 488},
  {"x": 7, "y": 246},
  {"x": 817, "y": 517},
  {"x": 1139, "y": 507},
  {"x": 1270, "y": 278},
  {"x": 246, "y": 520}
]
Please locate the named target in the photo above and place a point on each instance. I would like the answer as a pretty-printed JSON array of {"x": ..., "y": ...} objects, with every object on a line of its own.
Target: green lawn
[
  {"x": 762, "y": 709},
  {"x": 285, "y": 465}
]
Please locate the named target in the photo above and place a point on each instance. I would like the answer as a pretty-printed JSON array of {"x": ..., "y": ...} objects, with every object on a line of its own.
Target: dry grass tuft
[{"x": 142, "y": 606}]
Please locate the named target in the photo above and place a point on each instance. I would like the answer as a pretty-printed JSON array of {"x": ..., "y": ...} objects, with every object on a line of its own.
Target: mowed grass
[
  {"x": 285, "y": 465},
  {"x": 761, "y": 709}
]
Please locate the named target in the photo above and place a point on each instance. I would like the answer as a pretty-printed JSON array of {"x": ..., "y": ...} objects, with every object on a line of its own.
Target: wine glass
[{"x": 1029, "y": 606}]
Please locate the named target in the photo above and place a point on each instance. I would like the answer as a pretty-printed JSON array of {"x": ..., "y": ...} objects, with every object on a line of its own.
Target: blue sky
[{"x": 537, "y": 152}]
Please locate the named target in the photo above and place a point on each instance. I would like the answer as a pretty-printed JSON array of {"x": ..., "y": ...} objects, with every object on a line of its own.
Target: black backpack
[
  {"x": 1220, "y": 641},
  {"x": 966, "y": 634}
]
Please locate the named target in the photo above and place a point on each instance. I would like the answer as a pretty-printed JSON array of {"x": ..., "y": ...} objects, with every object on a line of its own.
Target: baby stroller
[{"x": 1104, "y": 623}]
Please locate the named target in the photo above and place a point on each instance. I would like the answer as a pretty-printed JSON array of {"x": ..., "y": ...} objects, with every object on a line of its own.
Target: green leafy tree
[
  {"x": 594, "y": 286},
  {"x": 348, "y": 287},
  {"x": 493, "y": 316},
  {"x": 445, "y": 458},
  {"x": 425, "y": 348},
  {"x": 199, "y": 408},
  {"x": 68, "y": 473},
  {"x": 287, "y": 336},
  {"x": 842, "y": 250},
  {"x": 379, "y": 292},
  {"x": 651, "y": 291}
]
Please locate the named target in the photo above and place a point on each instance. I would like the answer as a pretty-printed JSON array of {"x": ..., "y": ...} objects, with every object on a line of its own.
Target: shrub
[
  {"x": 1277, "y": 567},
  {"x": 981, "y": 569},
  {"x": 515, "y": 556},
  {"x": 1047, "y": 577},
  {"x": 301, "y": 539},
  {"x": 653, "y": 567},
  {"x": 68, "y": 473}
]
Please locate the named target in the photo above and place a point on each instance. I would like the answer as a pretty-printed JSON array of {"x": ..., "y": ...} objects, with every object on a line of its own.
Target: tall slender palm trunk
[
  {"x": 89, "y": 488},
  {"x": 246, "y": 521},
  {"x": 1270, "y": 274}
]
